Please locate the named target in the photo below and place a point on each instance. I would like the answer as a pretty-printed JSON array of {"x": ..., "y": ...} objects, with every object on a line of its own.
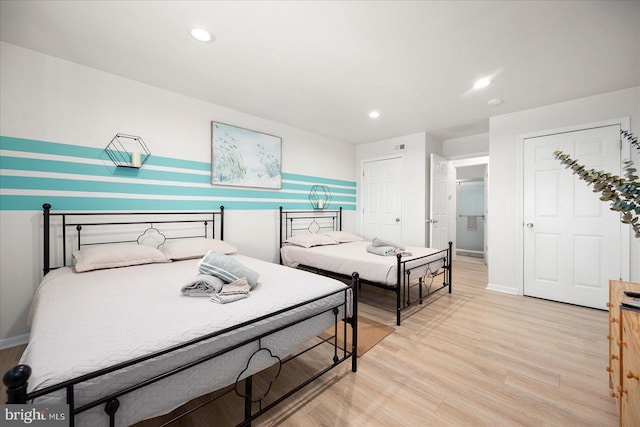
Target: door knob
[
  {"x": 397, "y": 219},
  {"x": 530, "y": 224}
]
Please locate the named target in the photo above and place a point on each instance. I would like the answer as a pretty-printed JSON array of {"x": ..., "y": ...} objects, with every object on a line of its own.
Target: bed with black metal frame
[
  {"x": 255, "y": 343},
  {"x": 407, "y": 272}
]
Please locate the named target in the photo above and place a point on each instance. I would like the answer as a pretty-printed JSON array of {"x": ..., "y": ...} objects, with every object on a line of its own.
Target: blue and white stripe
[{"x": 74, "y": 177}]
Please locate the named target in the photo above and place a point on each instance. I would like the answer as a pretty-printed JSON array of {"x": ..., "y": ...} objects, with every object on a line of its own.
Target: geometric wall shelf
[
  {"x": 128, "y": 151},
  {"x": 320, "y": 197}
]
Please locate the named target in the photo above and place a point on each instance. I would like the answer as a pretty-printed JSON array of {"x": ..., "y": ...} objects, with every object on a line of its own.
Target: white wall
[
  {"x": 416, "y": 154},
  {"x": 48, "y": 99},
  {"x": 468, "y": 146},
  {"x": 470, "y": 172},
  {"x": 503, "y": 227}
]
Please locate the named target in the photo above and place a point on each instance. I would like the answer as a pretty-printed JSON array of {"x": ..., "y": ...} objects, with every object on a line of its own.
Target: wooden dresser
[{"x": 624, "y": 353}]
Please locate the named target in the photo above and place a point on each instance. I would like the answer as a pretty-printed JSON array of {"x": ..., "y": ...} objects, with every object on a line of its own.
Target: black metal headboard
[
  {"x": 109, "y": 227},
  {"x": 311, "y": 221}
]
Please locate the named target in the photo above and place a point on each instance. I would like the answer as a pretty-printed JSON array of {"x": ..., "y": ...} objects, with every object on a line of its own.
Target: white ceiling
[{"x": 323, "y": 66}]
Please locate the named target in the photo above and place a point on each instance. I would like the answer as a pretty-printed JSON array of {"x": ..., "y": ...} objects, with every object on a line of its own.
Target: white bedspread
[
  {"x": 82, "y": 322},
  {"x": 346, "y": 258}
]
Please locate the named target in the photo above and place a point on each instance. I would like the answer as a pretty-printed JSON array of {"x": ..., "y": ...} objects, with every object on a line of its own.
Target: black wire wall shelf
[
  {"x": 128, "y": 151},
  {"x": 320, "y": 197}
]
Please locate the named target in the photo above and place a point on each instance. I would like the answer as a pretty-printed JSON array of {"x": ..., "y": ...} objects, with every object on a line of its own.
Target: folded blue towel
[
  {"x": 226, "y": 268},
  {"x": 381, "y": 250}
]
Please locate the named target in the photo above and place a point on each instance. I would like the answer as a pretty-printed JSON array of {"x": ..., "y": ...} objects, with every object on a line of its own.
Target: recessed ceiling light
[
  {"x": 374, "y": 114},
  {"x": 201, "y": 34},
  {"x": 483, "y": 82},
  {"x": 495, "y": 101}
]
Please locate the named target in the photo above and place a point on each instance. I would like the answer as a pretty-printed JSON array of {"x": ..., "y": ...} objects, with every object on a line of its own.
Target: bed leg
[
  {"x": 355, "y": 284},
  {"x": 16, "y": 380},
  {"x": 398, "y": 285},
  {"x": 450, "y": 267},
  {"x": 248, "y": 393}
]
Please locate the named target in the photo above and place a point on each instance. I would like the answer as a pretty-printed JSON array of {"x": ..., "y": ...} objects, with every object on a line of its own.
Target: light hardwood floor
[{"x": 474, "y": 357}]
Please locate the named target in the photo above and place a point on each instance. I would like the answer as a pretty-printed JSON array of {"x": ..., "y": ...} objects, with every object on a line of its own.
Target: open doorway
[
  {"x": 470, "y": 208},
  {"x": 470, "y": 219}
]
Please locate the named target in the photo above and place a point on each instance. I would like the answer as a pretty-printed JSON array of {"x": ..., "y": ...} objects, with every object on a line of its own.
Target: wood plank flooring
[{"x": 471, "y": 358}]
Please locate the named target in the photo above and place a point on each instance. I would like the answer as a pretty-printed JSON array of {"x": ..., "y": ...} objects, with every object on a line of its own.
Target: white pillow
[
  {"x": 343, "y": 236},
  {"x": 116, "y": 255},
  {"x": 311, "y": 239},
  {"x": 197, "y": 247}
]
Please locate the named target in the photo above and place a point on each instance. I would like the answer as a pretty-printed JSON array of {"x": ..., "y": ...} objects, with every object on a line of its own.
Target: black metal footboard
[
  {"x": 427, "y": 271},
  {"x": 16, "y": 379},
  {"x": 407, "y": 271}
]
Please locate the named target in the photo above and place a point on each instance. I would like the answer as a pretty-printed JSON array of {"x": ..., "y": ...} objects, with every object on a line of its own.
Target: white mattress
[
  {"x": 82, "y": 322},
  {"x": 346, "y": 258}
]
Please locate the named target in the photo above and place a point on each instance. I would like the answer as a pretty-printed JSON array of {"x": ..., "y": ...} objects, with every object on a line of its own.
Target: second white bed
[{"x": 344, "y": 258}]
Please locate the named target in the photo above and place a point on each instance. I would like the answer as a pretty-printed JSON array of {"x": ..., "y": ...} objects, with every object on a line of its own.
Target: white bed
[
  {"x": 83, "y": 322},
  {"x": 134, "y": 323},
  {"x": 347, "y": 257},
  {"x": 314, "y": 241}
]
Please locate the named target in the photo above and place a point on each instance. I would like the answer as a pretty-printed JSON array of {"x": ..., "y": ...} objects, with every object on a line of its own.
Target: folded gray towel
[
  {"x": 203, "y": 285},
  {"x": 377, "y": 242},
  {"x": 381, "y": 250},
  {"x": 226, "y": 268}
]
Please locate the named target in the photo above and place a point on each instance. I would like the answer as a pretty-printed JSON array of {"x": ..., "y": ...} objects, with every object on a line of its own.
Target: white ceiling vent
[{"x": 398, "y": 147}]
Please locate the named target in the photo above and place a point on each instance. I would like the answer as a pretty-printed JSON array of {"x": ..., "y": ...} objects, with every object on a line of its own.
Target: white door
[
  {"x": 382, "y": 199},
  {"x": 571, "y": 238},
  {"x": 440, "y": 198}
]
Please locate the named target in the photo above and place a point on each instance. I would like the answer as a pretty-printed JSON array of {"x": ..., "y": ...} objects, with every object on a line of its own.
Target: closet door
[
  {"x": 572, "y": 240},
  {"x": 382, "y": 199}
]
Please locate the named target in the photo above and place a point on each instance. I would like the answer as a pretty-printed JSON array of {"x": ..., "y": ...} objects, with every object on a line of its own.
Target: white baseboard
[
  {"x": 502, "y": 288},
  {"x": 13, "y": 341}
]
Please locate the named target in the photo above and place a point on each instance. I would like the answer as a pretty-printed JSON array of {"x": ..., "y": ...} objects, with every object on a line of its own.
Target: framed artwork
[{"x": 245, "y": 158}]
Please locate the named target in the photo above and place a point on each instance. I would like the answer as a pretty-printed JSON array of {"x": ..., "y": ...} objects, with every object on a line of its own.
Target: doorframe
[
  {"x": 360, "y": 204},
  {"x": 625, "y": 237}
]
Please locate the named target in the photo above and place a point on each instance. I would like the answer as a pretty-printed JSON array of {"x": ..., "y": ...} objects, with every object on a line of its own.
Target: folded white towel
[
  {"x": 202, "y": 285},
  {"x": 224, "y": 299},
  {"x": 377, "y": 242},
  {"x": 240, "y": 286},
  {"x": 381, "y": 250},
  {"x": 233, "y": 291}
]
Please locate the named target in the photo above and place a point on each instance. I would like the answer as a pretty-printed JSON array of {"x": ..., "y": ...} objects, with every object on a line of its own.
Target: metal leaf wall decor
[{"x": 621, "y": 192}]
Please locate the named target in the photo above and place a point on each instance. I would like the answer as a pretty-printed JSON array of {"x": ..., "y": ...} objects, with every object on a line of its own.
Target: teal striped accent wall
[{"x": 72, "y": 177}]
